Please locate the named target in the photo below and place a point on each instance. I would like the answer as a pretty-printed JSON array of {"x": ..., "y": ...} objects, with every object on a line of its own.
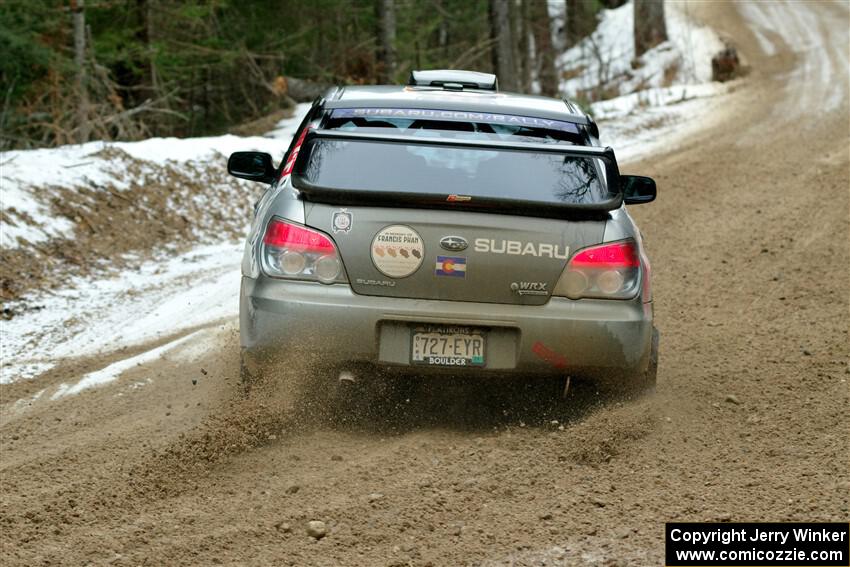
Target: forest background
[{"x": 74, "y": 71}]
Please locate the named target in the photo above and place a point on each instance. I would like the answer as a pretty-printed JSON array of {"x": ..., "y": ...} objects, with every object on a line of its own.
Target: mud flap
[{"x": 627, "y": 385}]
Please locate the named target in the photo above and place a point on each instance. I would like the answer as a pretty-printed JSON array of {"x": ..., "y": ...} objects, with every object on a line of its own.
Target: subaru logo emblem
[{"x": 453, "y": 243}]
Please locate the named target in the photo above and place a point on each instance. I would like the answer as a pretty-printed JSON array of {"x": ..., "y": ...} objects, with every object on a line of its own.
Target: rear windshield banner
[{"x": 456, "y": 115}]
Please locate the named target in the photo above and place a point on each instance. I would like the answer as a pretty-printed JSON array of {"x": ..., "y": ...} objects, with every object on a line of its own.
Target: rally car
[{"x": 444, "y": 226}]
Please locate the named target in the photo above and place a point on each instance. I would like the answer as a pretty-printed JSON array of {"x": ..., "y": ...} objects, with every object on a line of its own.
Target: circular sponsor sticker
[{"x": 397, "y": 251}]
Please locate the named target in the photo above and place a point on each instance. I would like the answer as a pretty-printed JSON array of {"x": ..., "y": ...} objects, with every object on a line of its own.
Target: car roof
[{"x": 470, "y": 100}]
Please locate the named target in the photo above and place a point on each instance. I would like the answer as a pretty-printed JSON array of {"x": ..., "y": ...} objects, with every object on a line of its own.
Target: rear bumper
[{"x": 332, "y": 325}]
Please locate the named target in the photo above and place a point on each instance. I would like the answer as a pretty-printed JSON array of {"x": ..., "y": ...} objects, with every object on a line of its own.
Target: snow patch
[
  {"x": 24, "y": 174},
  {"x": 644, "y": 105},
  {"x": 93, "y": 316},
  {"x": 114, "y": 370},
  {"x": 286, "y": 128},
  {"x": 656, "y": 130},
  {"x": 605, "y": 63},
  {"x": 25, "y": 403},
  {"x": 12, "y": 372},
  {"x": 192, "y": 351},
  {"x": 761, "y": 23},
  {"x": 820, "y": 62},
  {"x": 622, "y": 106}
]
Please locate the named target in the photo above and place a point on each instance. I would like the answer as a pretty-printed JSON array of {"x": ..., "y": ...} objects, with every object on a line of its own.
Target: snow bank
[
  {"x": 24, "y": 174},
  {"x": 647, "y": 104},
  {"x": 163, "y": 297},
  {"x": 605, "y": 63},
  {"x": 628, "y": 104}
]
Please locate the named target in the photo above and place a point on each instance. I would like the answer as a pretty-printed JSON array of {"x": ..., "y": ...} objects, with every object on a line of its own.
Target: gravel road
[{"x": 749, "y": 239}]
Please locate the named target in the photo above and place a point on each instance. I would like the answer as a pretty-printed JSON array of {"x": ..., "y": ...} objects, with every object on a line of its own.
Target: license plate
[{"x": 447, "y": 346}]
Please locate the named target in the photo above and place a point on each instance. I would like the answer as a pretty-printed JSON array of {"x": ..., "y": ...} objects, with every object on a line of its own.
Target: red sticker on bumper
[{"x": 559, "y": 361}]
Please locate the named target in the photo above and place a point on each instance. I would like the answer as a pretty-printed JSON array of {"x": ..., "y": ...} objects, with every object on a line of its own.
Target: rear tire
[
  {"x": 250, "y": 370},
  {"x": 650, "y": 376}
]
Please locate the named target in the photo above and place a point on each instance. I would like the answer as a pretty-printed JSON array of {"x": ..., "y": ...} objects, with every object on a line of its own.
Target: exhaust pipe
[
  {"x": 566, "y": 391},
  {"x": 346, "y": 377}
]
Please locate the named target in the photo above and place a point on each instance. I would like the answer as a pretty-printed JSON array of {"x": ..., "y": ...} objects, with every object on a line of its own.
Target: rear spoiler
[{"x": 312, "y": 192}]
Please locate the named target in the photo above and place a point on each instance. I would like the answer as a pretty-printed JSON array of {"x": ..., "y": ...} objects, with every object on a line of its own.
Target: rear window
[
  {"x": 453, "y": 123},
  {"x": 496, "y": 175}
]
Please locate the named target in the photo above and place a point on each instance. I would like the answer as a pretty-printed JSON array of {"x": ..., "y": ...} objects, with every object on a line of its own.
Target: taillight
[
  {"x": 293, "y": 155},
  {"x": 610, "y": 271},
  {"x": 293, "y": 251}
]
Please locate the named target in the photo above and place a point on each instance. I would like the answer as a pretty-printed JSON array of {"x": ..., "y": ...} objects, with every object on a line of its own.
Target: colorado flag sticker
[{"x": 451, "y": 266}]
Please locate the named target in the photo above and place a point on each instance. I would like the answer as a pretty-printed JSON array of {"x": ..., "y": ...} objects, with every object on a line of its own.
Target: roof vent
[{"x": 454, "y": 80}]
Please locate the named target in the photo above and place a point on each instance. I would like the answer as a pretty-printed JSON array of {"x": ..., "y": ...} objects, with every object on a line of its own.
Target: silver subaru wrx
[{"x": 445, "y": 226}]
